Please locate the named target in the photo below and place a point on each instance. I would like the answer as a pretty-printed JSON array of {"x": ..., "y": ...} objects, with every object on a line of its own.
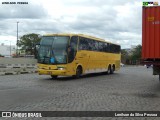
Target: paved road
[{"x": 130, "y": 89}]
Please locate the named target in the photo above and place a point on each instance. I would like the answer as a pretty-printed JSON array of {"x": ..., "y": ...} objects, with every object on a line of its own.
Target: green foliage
[
  {"x": 27, "y": 42},
  {"x": 136, "y": 53},
  {"x": 124, "y": 52},
  {"x": 124, "y": 56},
  {"x": 132, "y": 57}
]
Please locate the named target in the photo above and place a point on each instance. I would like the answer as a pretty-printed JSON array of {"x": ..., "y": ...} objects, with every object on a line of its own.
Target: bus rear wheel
[
  {"x": 54, "y": 76},
  {"x": 78, "y": 72},
  {"x": 110, "y": 70}
]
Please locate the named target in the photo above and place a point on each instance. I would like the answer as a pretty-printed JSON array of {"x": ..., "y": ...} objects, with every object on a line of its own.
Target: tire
[
  {"x": 109, "y": 69},
  {"x": 78, "y": 72},
  {"x": 54, "y": 76},
  {"x": 112, "y": 69}
]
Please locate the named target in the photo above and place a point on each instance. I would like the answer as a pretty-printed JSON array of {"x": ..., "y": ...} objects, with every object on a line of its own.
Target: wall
[{"x": 18, "y": 62}]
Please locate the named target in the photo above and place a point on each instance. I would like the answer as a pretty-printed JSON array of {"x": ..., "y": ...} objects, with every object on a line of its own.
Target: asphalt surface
[{"x": 129, "y": 89}]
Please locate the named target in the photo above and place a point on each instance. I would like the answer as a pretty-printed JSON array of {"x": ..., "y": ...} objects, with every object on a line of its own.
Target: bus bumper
[{"x": 52, "y": 72}]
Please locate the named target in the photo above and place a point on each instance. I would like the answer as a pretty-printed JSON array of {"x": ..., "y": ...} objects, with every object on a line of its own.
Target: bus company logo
[
  {"x": 150, "y": 3},
  {"x": 150, "y": 18},
  {"x": 6, "y": 114}
]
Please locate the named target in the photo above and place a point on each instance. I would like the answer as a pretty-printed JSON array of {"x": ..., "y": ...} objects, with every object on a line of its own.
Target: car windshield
[{"x": 53, "y": 50}]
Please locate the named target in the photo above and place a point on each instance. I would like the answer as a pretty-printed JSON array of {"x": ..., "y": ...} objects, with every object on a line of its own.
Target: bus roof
[{"x": 81, "y": 35}]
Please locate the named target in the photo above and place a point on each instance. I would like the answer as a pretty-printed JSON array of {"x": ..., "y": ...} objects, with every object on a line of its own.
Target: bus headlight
[{"x": 61, "y": 68}]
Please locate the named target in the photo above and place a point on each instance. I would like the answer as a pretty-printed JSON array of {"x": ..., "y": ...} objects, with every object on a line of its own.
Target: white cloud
[
  {"x": 14, "y": 11},
  {"x": 7, "y": 40}
]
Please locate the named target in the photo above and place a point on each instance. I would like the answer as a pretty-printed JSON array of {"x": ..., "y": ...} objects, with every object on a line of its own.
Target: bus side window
[
  {"x": 117, "y": 49},
  {"x": 106, "y": 47},
  {"x": 73, "y": 42},
  {"x": 83, "y": 44},
  {"x": 96, "y": 45},
  {"x": 72, "y": 49},
  {"x": 114, "y": 48},
  {"x": 80, "y": 44},
  {"x": 93, "y": 44},
  {"x": 101, "y": 46}
]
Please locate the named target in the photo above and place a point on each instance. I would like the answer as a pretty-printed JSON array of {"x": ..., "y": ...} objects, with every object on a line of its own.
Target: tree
[
  {"x": 124, "y": 55},
  {"x": 136, "y": 54},
  {"x": 27, "y": 42},
  {"x": 131, "y": 57}
]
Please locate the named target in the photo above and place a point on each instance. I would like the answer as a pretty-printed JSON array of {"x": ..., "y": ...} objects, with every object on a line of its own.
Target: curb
[
  {"x": 18, "y": 65},
  {"x": 16, "y": 72}
]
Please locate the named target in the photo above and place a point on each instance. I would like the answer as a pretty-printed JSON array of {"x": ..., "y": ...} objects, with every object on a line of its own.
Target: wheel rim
[
  {"x": 113, "y": 68},
  {"x": 109, "y": 69}
]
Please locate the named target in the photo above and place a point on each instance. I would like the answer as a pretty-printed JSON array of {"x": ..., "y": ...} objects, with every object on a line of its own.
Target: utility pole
[{"x": 17, "y": 40}]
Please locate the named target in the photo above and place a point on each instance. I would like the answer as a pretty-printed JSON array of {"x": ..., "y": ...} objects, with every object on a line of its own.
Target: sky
[{"x": 113, "y": 20}]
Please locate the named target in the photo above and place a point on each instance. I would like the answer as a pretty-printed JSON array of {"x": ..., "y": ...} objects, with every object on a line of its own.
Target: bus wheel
[
  {"x": 112, "y": 69},
  {"x": 78, "y": 72},
  {"x": 109, "y": 69},
  {"x": 54, "y": 76}
]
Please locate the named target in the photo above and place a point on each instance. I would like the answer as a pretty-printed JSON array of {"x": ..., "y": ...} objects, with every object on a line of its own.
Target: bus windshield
[{"x": 53, "y": 50}]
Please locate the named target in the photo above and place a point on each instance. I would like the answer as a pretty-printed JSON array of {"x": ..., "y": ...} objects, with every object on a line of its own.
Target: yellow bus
[{"x": 76, "y": 54}]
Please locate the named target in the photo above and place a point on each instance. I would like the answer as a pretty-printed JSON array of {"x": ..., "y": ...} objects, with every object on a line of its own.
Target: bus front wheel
[{"x": 78, "y": 72}]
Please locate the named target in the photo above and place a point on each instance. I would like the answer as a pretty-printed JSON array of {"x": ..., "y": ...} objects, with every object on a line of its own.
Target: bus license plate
[{"x": 49, "y": 72}]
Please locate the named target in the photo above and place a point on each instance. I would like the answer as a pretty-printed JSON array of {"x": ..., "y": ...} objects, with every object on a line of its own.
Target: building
[{"x": 7, "y": 50}]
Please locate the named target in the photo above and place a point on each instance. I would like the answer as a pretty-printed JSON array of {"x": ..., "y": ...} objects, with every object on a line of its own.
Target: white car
[
  {"x": 121, "y": 64},
  {"x": 148, "y": 66}
]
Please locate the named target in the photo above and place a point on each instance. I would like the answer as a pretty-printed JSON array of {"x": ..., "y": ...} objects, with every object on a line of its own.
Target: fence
[{"x": 17, "y": 65}]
